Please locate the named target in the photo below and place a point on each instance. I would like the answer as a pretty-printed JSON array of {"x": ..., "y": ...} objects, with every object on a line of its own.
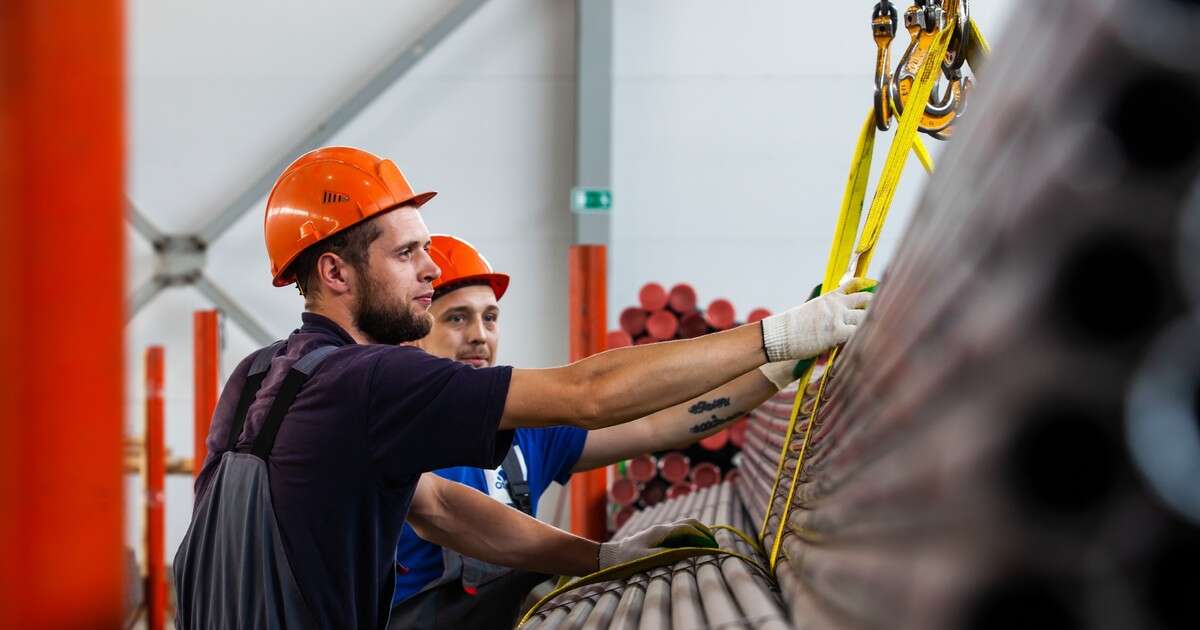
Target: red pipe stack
[{"x": 665, "y": 315}]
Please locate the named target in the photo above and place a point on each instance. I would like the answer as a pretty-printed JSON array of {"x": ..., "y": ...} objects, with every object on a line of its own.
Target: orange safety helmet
[
  {"x": 460, "y": 261},
  {"x": 324, "y": 192}
]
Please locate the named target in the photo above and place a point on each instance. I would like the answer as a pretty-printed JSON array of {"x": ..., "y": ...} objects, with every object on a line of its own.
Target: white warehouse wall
[{"x": 733, "y": 130}]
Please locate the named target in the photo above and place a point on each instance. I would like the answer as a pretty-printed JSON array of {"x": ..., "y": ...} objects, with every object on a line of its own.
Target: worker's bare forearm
[
  {"x": 622, "y": 385},
  {"x": 475, "y": 525},
  {"x": 677, "y": 426}
]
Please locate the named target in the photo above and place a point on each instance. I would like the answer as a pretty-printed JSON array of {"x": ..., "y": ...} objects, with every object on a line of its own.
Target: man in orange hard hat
[
  {"x": 320, "y": 442},
  {"x": 440, "y": 588}
]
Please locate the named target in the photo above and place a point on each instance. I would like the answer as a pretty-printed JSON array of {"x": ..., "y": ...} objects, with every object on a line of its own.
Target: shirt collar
[{"x": 319, "y": 324}]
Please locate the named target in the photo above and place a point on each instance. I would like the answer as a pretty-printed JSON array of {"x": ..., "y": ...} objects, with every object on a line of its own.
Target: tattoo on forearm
[
  {"x": 705, "y": 406},
  {"x": 714, "y": 421}
]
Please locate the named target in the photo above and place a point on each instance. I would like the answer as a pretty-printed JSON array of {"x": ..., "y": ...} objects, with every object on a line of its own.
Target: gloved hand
[
  {"x": 649, "y": 541},
  {"x": 815, "y": 326},
  {"x": 780, "y": 373}
]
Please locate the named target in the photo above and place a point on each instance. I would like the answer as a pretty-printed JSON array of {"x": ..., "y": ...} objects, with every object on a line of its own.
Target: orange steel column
[
  {"x": 61, "y": 319},
  {"x": 206, "y": 354},
  {"x": 587, "y": 283},
  {"x": 156, "y": 474}
]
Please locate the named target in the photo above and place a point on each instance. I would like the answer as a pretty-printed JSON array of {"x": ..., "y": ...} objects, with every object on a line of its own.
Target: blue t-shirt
[
  {"x": 549, "y": 455},
  {"x": 348, "y": 456}
]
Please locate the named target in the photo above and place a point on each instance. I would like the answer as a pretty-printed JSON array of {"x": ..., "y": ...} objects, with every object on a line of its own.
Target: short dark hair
[{"x": 351, "y": 245}]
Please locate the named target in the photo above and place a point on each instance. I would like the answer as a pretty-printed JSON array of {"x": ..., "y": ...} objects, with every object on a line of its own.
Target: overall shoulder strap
[
  {"x": 259, "y": 366},
  {"x": 296, "y": 377},
  {"x": 518, "y": 486}
]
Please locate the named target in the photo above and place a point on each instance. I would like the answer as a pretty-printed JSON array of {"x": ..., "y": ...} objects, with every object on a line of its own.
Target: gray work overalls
[{"x": 231, "y": 571}]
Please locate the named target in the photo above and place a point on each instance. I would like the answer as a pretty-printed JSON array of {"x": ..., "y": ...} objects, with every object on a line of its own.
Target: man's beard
[{"x": 386, "y": 319}]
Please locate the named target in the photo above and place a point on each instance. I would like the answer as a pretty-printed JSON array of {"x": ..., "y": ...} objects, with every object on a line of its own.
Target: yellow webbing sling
[
  {"x": 843, "y": 256},
  {"x": 841, "y": 253}
]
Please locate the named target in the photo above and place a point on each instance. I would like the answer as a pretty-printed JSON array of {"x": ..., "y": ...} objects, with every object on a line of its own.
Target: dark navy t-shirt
[
  {"x": 350, "y": 451},
  {"x": 548, "y": 454}
]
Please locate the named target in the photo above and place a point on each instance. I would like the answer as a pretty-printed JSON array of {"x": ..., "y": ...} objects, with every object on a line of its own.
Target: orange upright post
[
  {"x": 206, "y": 355},
  {"x": 156, "y": 475},
  {"x": 587, "y": 282},
  {"x": 61, "y": 317}
]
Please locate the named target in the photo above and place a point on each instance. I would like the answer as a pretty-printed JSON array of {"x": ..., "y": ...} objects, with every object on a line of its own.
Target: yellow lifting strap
[
  {"x": 897, "y": 157},
  {"x": 979, "y": 50},
  {"x": 846, "y": 230},
  {"x": 850, "y": 215}
]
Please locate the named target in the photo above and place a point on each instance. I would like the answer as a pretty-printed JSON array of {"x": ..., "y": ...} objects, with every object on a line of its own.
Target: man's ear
[{"x": 334, "y": 274}]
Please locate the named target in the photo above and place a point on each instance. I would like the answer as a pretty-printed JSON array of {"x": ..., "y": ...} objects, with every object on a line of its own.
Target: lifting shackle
[
  {"x": 883, "y": 26},
  {"x": 924, "y": 20}
]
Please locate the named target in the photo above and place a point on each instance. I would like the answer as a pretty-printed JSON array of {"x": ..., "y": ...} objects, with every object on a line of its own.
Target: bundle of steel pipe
[
  {"x": 996, "y": 447},
  {"x": 702, "y": 592}
]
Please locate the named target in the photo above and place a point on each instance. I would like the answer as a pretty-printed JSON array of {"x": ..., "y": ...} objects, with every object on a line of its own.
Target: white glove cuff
[
  {"x": 775, "y": 338},
  {"x": 781, "y": 374},
  {"x": 607, "y": 556}
]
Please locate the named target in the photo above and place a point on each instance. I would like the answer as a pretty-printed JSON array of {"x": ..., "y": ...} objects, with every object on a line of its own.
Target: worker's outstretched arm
[
  {"x": 622, "y": 385},
  {"x": 452, "y": 515},
  {"x": 685, "y": 423}
]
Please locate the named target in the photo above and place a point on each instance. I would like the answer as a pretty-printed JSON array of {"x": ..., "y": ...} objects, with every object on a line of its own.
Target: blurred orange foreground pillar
[
  {"x": 61, "y": 320},
  {"x": 587, "y": 284}
]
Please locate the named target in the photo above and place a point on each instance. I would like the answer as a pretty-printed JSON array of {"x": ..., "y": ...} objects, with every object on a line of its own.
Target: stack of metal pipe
[
  {"x": 703, "y": 592},
  {"x": 1012, "y": 440},
  {"x": 663, "y": 315},
  {"x": 990, "y": 451}
]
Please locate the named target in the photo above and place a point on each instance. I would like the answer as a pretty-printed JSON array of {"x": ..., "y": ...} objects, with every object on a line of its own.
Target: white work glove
[
  {"x": 815, "y": 326},
  {"x": 780, "y": 373},
  {"x": 649, "y": 541}
]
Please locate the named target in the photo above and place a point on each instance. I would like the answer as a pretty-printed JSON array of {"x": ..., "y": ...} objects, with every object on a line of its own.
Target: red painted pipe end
[
  {"x": 705, "y": 475},
  {"x": 720, "y": 314},
  {"x": 618, "y": 339},
  {"x": 692, "y": 325},
  {"x": 682, "y": 298},
  {"x": 716, "y": 441},
  {"x": 662, "y": 325},
  {"x": 757, "y": 315},
  {"x": 674, "y": 467},
  {"x": 643, "y": 468},
  {"x": 633, "y": 321},
  {"x": 653, "y": 296}
]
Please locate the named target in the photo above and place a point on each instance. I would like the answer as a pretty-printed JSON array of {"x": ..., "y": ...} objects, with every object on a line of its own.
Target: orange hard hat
[
  {"x": 461, "y": 262},
  {"x": 324, "y": 192}
]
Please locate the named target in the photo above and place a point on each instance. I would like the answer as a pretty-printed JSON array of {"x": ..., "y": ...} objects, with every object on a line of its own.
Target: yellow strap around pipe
[
  {"x": 641, "y": 565},
  {"x": 787, "y": 442},
  {"x": 791, "y": 495}
]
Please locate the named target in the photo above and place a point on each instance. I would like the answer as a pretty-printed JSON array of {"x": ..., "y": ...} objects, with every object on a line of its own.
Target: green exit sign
[{"x": 591, "y": 199}]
